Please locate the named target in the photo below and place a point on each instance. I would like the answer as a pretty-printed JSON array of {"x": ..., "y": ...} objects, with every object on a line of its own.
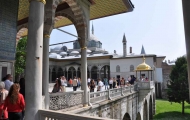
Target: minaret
[
  {"x": 124, "y": 46},
  {"x": 92, "y": 29}
]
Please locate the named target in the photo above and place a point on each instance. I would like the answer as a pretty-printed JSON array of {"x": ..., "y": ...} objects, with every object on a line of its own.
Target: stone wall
[{"x": 115, "y": 109}]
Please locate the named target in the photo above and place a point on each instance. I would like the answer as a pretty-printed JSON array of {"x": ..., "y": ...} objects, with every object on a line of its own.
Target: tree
[
  {"x": 20, "y": 57},
  {"x": 178, "y": 89}
]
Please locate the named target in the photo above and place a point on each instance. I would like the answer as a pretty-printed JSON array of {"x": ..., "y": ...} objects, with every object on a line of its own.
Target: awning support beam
[{"x": 68, "y": 33}]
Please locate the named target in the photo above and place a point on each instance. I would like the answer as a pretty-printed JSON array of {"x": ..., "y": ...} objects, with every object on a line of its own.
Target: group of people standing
[
  {"x": 12, "y": 103},
  {"x": 109, "y": 84},
  {"x": 61, "y": 84}
]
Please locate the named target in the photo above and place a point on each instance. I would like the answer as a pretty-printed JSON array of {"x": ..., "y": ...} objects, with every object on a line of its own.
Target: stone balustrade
[
  {"x": 64, "y": 100},
  {"x": 145, "y": 85},
  {"x": 96, "y": 97}
]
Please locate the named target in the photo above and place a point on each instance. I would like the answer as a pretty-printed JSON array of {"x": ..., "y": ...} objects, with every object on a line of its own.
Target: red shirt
[{"x": 18, "y": 107}]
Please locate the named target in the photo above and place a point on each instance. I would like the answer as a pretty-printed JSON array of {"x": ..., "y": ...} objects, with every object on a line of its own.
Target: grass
[{"x": 171, "y": 111}]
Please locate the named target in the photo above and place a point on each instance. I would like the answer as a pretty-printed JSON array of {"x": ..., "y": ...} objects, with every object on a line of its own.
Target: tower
[
  {"x": 142, "y": 50},
  {"x": 124, "y": 46}
]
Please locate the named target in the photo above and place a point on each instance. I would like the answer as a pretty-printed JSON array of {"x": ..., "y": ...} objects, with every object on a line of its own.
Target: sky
[{"x": 155, "y": 24}]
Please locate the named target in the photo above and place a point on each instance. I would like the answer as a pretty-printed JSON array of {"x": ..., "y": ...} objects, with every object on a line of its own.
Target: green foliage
[
  {"x": 178, "y": 89},
  {"x": 20, "y": 56}
]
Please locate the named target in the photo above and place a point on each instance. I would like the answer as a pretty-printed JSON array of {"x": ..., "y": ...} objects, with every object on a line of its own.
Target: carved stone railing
[
  {"x": 97, "y": 97},
  {"x": 55, "y": 115},
  {"x": 145, "y": 85},
  {"x": 115, "y": 92},
  {"x": 64, "y": 100}
]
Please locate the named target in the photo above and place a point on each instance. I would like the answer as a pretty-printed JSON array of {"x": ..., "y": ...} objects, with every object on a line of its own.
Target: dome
[
  {"x": 75, "y": 52},
  {"x": 93, "y": 37},
  {"x": 143, "y": 66},
  {"x": 57, "y": 48},
  {"x": 88, "y": 51},
  {"x": 63, "y": 53},
  {"x": 53, "y": 56}
]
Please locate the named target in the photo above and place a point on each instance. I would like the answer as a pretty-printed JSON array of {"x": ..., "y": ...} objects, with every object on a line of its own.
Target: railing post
[
  {"x": 130, "y": 89},
  {"x": 109, "y": 98},
  {"x": 89, "y": 99},
  {"x": 122, "y": 91}
]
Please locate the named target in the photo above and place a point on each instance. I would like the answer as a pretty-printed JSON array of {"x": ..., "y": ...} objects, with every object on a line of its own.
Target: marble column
[
  {"x": 34, "y": 60},
  {"x": 84, "y": 75},
  {"x": 186, "y": 17},
  {"x": 45, "y": 71}
]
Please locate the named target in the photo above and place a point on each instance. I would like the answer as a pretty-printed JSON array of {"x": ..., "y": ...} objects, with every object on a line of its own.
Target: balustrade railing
[
  {"x": 64, "y": 100},
  {"x": 96, "y": 97},
  {"x": 145, "y": 85}
]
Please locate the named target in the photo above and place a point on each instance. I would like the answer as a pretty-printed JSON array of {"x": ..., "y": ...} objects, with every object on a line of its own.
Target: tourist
[
  {"x": 79, "y": 82},
  {"x": 110, "y": 83},
  {"x": 75, "y": 83},
  {"x": 106, "y": 83},
  {"x": 92, "y": 85},
  {"x": 8, "y": 82},
  {"x": 88, "y": 81},
  {"x": 14, "y": 103},
  {"x": 118, "y": 82},
  {"x": 3, "y": 95},
  {"x": 122, "y": 82},
  {"x": 70, "y": 82},
  {"x": 57, "y": 87},
  {"x": 114, "y": 83},
  {"x": 100, "y": 85},
  {"x": 64, "y": 83}
]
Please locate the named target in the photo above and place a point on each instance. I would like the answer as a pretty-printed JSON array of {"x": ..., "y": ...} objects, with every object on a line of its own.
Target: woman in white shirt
[{"x": 111, "y": 83}]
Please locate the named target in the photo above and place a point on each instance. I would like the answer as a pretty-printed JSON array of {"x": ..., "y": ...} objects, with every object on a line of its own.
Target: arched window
[
  {"x": 117, "y": 68},
  {"x": 131, "y": 68}
]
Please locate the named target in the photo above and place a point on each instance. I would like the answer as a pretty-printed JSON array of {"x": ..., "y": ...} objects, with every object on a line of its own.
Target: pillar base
[{"x": 85, "y": 105}]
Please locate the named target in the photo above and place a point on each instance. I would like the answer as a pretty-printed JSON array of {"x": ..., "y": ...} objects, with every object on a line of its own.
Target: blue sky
[{"x": 155, "y": 24}]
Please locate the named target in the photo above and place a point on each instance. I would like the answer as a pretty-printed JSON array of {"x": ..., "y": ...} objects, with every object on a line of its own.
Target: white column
[
  {"x": 84, "y": 75},
  {"x": 45, "y": 77},
  {"x": 34, "y": 59},
  {"x": 186, "y": 17}
]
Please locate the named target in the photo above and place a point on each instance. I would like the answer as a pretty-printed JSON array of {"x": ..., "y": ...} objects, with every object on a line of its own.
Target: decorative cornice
[
  {"x": 46, "y": 36},
  {"x": 43, "y": 1}
]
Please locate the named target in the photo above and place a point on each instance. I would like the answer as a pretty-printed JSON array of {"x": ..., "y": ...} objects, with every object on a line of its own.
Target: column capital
[
  {"x": 43, "y": 1},
  {"x": 46, "y": 36},
  {"x": 82, "y": 48}
]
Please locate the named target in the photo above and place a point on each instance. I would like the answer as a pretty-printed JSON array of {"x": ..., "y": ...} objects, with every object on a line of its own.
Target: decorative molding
[
  {"x": 46, "y": 36},
  {"x": 83, "y": 48},
  {"x": 43, "y": 1}
]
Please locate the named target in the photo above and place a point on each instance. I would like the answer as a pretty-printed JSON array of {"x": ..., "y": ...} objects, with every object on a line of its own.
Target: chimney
[{"x": 130, "y": 50}]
